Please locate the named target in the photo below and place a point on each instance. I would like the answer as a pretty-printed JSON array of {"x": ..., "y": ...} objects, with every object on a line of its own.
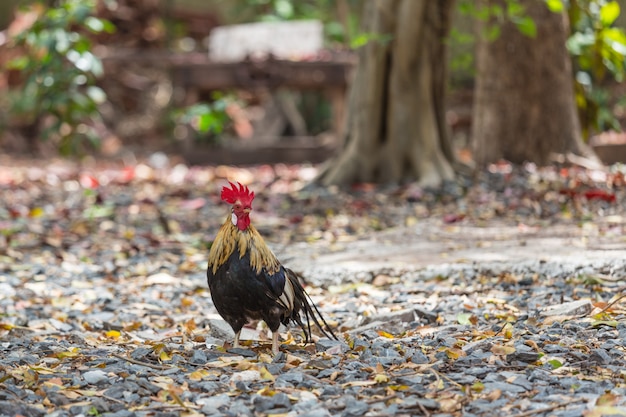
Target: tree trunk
[
  {"x": 396, "y": 127},
  {"x": 524, "y": 108}
]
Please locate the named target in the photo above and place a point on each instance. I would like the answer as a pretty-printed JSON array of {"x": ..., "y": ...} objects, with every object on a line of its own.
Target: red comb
[{"x": 234, "y": 193}]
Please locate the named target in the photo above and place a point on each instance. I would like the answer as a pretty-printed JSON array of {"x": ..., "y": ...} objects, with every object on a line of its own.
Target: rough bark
[
  {"x": 396, "y": 127},
  {"x": 524, "y": 108}
]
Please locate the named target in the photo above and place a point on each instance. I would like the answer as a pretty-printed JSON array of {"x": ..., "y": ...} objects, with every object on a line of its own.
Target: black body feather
[{"x": 242, "y": 291}]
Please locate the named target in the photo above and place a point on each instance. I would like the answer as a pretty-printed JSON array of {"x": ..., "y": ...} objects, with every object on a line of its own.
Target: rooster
[{"x": 248, "y": 282}]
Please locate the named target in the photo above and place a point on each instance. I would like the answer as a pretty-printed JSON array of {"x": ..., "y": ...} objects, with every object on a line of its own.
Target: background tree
[
  {"x": 524, "y": 107},
  {"x": 396, "y": 127}
]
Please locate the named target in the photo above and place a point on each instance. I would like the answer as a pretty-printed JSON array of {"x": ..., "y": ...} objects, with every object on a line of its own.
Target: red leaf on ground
[
  {"x": 453, "y": 218},
  {"x": 596, "y": 193},
  {"x": 89, "y": 181}
]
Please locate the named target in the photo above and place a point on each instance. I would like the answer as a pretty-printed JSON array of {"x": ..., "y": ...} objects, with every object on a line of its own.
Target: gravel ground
[{"x": 104, "y": 312}]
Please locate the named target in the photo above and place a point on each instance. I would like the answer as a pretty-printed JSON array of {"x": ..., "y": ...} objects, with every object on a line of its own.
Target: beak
[{"x": 247, "y": 210}]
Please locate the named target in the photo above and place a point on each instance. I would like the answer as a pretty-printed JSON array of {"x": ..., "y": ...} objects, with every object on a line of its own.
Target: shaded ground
[{"x": 441, "y": 298}]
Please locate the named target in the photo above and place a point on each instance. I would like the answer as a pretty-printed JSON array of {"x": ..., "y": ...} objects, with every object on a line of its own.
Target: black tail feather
[{"x": 311, "y": 312}]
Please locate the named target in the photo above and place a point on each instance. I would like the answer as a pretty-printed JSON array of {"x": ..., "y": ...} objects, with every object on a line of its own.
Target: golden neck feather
[{"x": 229, "y": 238}]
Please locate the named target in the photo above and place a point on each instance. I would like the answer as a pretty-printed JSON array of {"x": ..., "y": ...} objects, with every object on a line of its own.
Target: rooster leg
[
  {"x": 236, "y": 342},
  {"x": 275, "y": 342}
]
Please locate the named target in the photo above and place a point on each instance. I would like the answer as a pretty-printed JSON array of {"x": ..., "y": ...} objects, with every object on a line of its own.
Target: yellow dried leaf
[
  {"x": 72, "y": 395},
  {"x": 265, "y": 358},
  {"x": 502, "y": 350},
  {"x": 266, "y": 392},
  {"x": 605, "y": 411},
  {"x": 244, "y": 365},
  {"x": 454, "y": 353},
  {"x": 36, "y": 212},
  {"x": 86, "y": 392},
  {"x": 607, "y": 399},
  {"x": 478, "y": 386},
  {"x": 385, "y": 334},
  {"x": 75, "y": 404},
  {"x": 381, "y": 378},
  {"x": 113, "y": 334},
  {"x": 42, "y": 370},
  {"x": 175, "y": 396},
  {"x": 265, "y": 374},
  {"x": 436, "y": 385},
  {"x": 164, "y": 356},
  {"x": 508, "y": 331},
  {"x": 198, "y": 375},
  {"x": 71, "y": 353}
]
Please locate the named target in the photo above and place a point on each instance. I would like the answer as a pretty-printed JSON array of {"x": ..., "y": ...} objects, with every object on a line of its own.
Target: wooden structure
[{"x": 194, "y": 75}]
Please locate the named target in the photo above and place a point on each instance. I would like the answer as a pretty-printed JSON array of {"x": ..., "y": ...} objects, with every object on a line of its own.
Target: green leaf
[
  {"x": 514, "y": 8},
  {"x": 464, "y": 318},
  {"x": 491, "y": 33},
  {"x": 108, "y": 26},
  {"x": 555, "y": 363},
  {"x": 284, "y": 9},
  {"x": 94, "y": 24},
  {"x": 526, "y": 25},
  {"x": 555, "y": 5},
  {"x": 205, "y": 122},
  {"x": 98, "y": 211},
  {"x": 360, "y": 40},
  {"x": 19, "y": 63},
  {"x": 96, "y": 94},
  {"x": 609, "y": 12},
  {"x": 602, "y": 323}
]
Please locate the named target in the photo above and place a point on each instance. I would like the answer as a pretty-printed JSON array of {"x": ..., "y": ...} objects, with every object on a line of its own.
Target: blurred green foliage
[
  {"x": 598, "y": 48},
  {"x": 205, "y": 121},
  {"x": 596, "y": 44},
  {"x": 58, "y": 95},
  {"x": 510, "y": 10}
]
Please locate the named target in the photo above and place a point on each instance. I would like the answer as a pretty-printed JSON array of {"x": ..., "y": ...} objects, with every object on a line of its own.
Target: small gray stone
[
  {"x": 600, "y": 356},
  {"x": 526, "y": 357},
  {"x": 10, "y": 408},
  {"x": 323, "y": 345},
  {"x": 573, "y": 308},
  {"x": 140, "y": 353},
  {"x": 429, "y": 316},
  {"x": 212, "y": 404},
  {"x": 419, "y": 358},
  {"x": 317, "y": 412},
  {"x": 403, "y": 316},
  {"x": 246, "y": 353},
  {"x": 198, "y": 357},
  {"x": 95, "y": 377},
  {"x": 119, "y": 413},
  {"x": 504, "y": 387},
  {"x": 294, "y": 377},
  {"x": 239, "y": 409},
  {"x": 411, "y": 380},
  {"x": 354, "y": 408},
  {"x": 221, "y": 330}
]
